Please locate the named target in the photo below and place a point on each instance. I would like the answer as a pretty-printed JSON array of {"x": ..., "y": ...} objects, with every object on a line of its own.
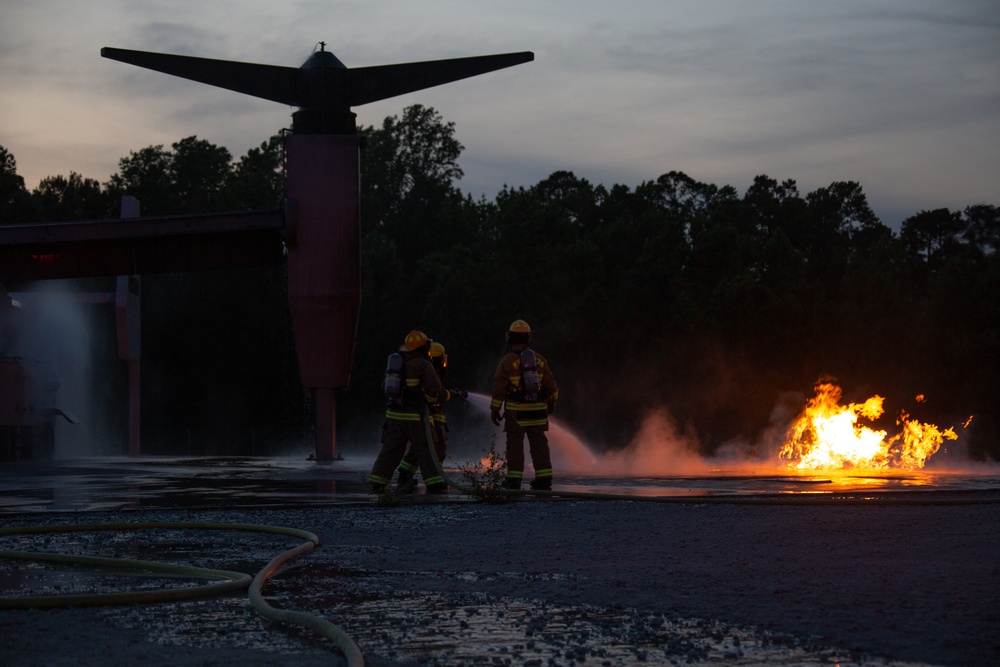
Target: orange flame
[{"x": 827, "y": 435}]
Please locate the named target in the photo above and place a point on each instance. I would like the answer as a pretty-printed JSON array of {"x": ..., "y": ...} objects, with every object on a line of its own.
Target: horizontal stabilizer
[
  {"x": 323, "y": 84},
  {"x": 371, "y": 84},
  {"x": 270, "y": 82}
]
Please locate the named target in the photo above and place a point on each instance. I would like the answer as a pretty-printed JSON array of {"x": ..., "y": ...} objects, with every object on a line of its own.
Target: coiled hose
[{"x": 230, "y": 581}]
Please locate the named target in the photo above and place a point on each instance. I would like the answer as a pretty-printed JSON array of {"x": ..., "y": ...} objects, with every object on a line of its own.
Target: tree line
[{"x": 720, "y": 306}]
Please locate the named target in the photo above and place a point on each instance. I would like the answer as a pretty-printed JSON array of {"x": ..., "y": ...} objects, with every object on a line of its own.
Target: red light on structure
[{"x": 45, "y": 257}]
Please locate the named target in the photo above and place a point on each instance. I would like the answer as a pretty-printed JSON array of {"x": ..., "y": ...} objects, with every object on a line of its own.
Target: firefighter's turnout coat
[
  {"x": 524, "y": 417},
  {"x": 439, "y": 431},
  {"x": 404, "y": 421}
]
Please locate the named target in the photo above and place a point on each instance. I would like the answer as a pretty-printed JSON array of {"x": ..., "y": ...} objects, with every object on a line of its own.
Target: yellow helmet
[
  {"x": 519, "y": 326},
  {"x": 438, "y": 355},
  {"x": 519, "y": 332},
  {"x": 413, "y": 341}
]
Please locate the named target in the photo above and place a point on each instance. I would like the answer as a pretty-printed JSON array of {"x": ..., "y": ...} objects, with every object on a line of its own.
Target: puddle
[
  {"x": 420, "y": 628},
  {"x": 197, "y": 483},
  {"x": 391, "y": 621},
  {"x": 411, "y": 627}
]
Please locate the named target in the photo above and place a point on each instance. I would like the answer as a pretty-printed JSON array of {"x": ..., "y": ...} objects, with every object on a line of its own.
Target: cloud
[{"x": 723, "y": 90}]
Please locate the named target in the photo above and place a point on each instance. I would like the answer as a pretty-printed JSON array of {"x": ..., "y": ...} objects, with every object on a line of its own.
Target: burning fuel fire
[{"x": 827, "y": 435}]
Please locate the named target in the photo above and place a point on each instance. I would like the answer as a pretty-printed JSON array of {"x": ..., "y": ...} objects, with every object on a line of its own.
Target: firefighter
[
  {"x": 439, "y": 429},
  {"x": 419, "y": 387},
  {"x": 524, "y": 385}
]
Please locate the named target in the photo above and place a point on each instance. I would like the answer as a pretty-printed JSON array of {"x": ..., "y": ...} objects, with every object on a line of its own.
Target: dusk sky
[{"x": 902, "y": 96}]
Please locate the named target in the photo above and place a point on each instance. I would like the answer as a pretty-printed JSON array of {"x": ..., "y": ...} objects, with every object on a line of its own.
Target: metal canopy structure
[
  {"x": 319, "y": 224},
  {"x": 133, "y": 246}
]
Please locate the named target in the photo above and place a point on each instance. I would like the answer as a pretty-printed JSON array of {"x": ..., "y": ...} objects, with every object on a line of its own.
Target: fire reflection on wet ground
[
  {"x": 781, "y": 482},
  {"x": 165, "y": 482}
]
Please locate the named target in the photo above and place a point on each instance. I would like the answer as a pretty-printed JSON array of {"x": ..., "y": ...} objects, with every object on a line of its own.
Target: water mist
[
  {"x": 570, "y": 454},
  {"x": 56, "y": 334}
]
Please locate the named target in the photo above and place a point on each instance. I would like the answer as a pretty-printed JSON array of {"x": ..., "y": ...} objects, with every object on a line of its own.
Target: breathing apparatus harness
[
  {"x": 531, "y": 390},
  {"x": 394, "y": 387},
  {"x": 531, "y": 385},
  {"x": 392, "y": 384}
]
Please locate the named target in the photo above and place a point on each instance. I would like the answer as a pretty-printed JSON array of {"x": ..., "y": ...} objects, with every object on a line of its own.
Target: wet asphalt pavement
[
  {"x": 148, "y": 483},
  {"x": 553, "y": 581}
]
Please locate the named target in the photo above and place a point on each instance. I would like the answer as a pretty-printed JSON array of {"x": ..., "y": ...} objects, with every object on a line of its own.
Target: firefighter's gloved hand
[
  {"x": 495, "y": 416},
  {"x": 550, "y": 407}
]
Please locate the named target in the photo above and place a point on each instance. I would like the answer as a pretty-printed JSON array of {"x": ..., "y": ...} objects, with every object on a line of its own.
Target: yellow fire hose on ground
[{"x": 230, "y": 581}]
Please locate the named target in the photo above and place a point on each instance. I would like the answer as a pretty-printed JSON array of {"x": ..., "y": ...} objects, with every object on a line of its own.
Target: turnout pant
[
  {"x": 411, "y": 461},
  {"x": 538, "y": 445},
  {"x": 396, "y": 434}
]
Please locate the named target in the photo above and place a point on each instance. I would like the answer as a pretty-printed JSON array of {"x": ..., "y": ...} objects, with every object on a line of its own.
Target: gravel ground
[{"x": 552, "y": 582}]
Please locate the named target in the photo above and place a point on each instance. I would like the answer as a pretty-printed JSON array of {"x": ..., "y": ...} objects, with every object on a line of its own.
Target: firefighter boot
[
  {"x": 512, "y": 484},
  {"x": 406, "y": 483},
  {"x": 437, "y": 488},
  {"x": 542, "y": 484}
]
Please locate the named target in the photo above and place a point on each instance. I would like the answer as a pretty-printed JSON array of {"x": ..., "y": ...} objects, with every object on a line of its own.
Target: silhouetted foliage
[
  {"x": 679, "y": 294},
  {"x": 146, "y": 174},
  {"x": 72, "y": 198},
  {"x": 933, "y": 235},
  {"x": 256, "y": 180},
  {"x": 14, "y": 197}
]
